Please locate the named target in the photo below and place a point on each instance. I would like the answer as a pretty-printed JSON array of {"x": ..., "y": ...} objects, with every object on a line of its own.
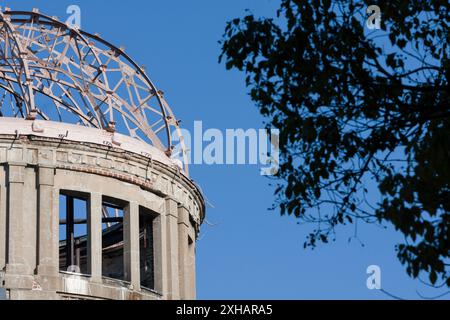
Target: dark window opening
[
  {"x": 146, "y": 248},
  {"x": 73, "y": 241},
  {"x": 112, "y": 238}
]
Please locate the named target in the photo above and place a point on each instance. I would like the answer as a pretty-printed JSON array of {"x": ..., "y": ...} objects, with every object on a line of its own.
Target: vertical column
[
  {"x": 48, "y": 230},
  {"x": 131, "y": 245},
  {"x": 3, "y": 201},
  {"x": 70, "y": 235},
  {"x": 191, "y": 266},
  {"x": 94, "y": 245},
  {"x": 160, "y": 253},
  {"x": 173, "y": 280},
  {"x": 183, "y": 252},
  {"x": 17, "y": 236}
]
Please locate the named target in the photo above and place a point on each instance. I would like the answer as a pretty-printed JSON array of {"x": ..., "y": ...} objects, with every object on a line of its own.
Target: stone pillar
[
  {"x": 94, "y": 227},
  {"x": 3, "y": 201},
  {"x": 160, "y": 254},
  {"x": 48, "y": 224},
  {"x": 17, "y": 260},
  {"x": 183, "y": 252},
  {"x": 173, "y": 280},
  {"x": 191, "y": 266},
  {"x": 132, "y": 272}
]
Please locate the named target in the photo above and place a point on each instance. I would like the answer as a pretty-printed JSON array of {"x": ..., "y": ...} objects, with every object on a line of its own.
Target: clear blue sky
[{"x": 250, "y": 252}]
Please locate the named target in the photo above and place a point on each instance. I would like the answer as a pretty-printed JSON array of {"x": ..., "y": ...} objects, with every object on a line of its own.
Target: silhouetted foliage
[{"x": 356, "y": 105}]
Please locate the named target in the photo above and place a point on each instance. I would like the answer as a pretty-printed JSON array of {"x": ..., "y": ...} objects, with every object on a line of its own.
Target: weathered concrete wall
[{"x": 33, "y": 171}]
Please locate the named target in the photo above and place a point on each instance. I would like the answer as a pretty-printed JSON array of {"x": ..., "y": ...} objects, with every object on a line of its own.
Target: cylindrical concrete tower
[{"x": 93, "y": 204}]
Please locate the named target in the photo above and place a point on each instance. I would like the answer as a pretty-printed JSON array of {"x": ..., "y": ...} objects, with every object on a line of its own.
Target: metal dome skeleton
[{"x": 51, "y": 71}]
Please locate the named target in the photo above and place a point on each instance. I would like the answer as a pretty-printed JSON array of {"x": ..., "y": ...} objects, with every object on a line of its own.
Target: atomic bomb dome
[{"x": 91, "y": 204}]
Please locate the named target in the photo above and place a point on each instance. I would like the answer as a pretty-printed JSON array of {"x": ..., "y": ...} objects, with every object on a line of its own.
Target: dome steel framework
[{"x": 51, "y": 71}]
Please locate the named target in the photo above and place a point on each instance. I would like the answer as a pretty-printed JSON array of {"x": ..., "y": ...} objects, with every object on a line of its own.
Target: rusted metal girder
[{"x": 51, "y": 71}]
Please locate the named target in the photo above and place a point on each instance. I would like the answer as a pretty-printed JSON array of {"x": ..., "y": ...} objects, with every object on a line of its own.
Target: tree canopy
[{"x": 356, "y": 105}]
